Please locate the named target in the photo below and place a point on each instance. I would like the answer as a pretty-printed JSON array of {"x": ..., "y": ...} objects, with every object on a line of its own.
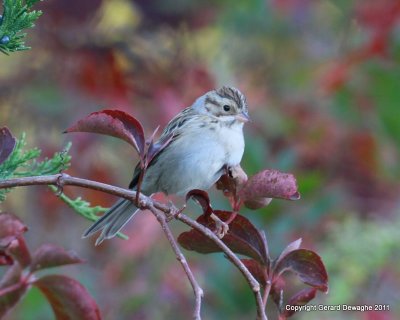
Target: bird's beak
[{"x": 243, "y": 117}]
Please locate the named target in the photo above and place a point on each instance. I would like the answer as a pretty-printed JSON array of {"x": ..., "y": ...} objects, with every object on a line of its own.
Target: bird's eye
[{"x": 226, "y": 108}]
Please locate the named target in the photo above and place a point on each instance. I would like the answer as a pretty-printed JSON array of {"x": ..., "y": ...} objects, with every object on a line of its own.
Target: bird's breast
[{"x": 194, "y": 160}]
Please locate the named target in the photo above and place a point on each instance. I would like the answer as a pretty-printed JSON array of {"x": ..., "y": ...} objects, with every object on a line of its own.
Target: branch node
[
  {"x": 60, "y": 184},
  {"x": 173, "y": 212},
  {"x": 143, "y": 203},
  {"x": 256, "y": 288}
]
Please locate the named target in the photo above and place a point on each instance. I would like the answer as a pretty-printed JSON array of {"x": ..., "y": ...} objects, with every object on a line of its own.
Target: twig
[
  {"x": 64, "y": 180},
  {"x": 266, "y": 292},
  {"x": 11, "y": 288},
  {"x": 198, "y": 291},
  {"x": 254, "y": 285}
]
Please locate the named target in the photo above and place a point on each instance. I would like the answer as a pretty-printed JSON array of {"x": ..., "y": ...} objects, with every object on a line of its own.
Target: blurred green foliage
[{"x": 23, "y": 163}]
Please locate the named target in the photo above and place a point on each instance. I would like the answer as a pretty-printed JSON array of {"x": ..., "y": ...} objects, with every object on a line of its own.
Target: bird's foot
[
  {"x": 221, "y": 227},
  {"x": 173, "y": 211}
]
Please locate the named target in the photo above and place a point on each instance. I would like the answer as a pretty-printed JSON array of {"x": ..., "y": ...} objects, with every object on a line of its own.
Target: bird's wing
[{"x": 171, "y": 132}]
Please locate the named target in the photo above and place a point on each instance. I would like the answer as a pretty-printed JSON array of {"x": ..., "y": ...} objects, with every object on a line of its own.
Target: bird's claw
[
  {"x": 173, "y": 212},
  {"x": 221, "y": 227}
]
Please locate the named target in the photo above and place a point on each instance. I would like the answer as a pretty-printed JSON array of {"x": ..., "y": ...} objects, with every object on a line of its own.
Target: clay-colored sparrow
[{"x": 207, "y": 137}]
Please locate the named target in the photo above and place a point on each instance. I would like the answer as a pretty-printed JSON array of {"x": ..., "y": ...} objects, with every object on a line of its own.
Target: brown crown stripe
[{"x": 233, "y": 94}]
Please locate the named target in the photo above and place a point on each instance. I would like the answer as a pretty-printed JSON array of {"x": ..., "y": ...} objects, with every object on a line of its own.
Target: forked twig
[
  {"x": 198, "y": 291},
  {"x": 156, "y": 208}
]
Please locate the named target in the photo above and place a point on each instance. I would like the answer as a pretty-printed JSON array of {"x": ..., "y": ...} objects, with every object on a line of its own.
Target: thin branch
[
  {"x": 254, "y": 285},
  {"x": 63, "y": 179},
  {"x": 11, "y": 288},
  {"x": 198, "y": 291},
  {"x": 266, "y": 292}
]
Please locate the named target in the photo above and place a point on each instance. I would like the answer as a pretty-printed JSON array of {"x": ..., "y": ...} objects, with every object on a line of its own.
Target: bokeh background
[{"x": 322, "y": 78}]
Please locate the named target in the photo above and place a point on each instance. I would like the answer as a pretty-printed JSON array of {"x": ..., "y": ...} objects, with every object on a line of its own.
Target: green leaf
[{"x": 24, "y": 163}]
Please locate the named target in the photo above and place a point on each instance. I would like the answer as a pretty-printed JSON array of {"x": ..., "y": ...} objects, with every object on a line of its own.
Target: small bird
[{"x": 207, "y": 138}]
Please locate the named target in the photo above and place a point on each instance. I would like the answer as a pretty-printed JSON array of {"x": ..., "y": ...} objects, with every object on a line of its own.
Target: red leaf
[
  {"x": 270, "y": 184},
  {"x": 49, "y": 256},
  {"x": 156, "y": 148},
  {"x": 68, "y": 298},
  {"x": 242, "y": 238},
  {"x": 307, "y": 265},
  {"x": 300, "y": 299},
  {"x": 10, "y": 299},
  {"x": 113, "y": 123},
  {"x": 5, "y": 259},
  {"x": 7, "y": 144},
  {"x": 19, "y": 251},
  {"x": 232, "y": 180},
  {"x": 258, "y": 271},
  {"x": 255, "y": 204},
  {"x": 201, "y": 197},
  {"x": 10, "y": 229},
  {"x": 11, "y": 276},
  {"x": 11, "y": 290},
  {"x": 276, "y": 292},
  {"x": 291, "y": 247}
]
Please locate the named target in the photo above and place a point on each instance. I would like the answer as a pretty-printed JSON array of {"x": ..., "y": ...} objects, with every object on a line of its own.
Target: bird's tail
[{"x": 113, "y": 220}]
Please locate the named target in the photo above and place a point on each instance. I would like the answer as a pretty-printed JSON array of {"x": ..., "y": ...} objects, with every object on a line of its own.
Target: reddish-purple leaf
[
  {"x": 234, "y": 179},
  {"x": 276, "y": 292},
  {"x": 242, "y": 238},
  {"x": 10, "y": 298},
  {"x": 258, "y": 271},
  {"x": 264, "y": 239},
  {"x": 7, "y": 144},
  {"x": 151, "y": 138},
  {"x": 258, "y": 203},
  {"x": 113, "y": 123},
  {"x": 202, "y": 198},
  {"x": 68, "y": 298},
  {"x": 307, "y": 265},
  {"x": 10, "y": 228},
  {"x": 270, "y": 184},
  {"x": 11, "y": 289},
  {"x": 19, "y": 251},
  {"x": 11, "y": 276},
  {"x": 156, "y": 148},
  {"x": 300, "y": 299},
  {"x": 49, "y": 256},
  {"x": 5, "y": 259},
  {"x": 291, "y": 247}
]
